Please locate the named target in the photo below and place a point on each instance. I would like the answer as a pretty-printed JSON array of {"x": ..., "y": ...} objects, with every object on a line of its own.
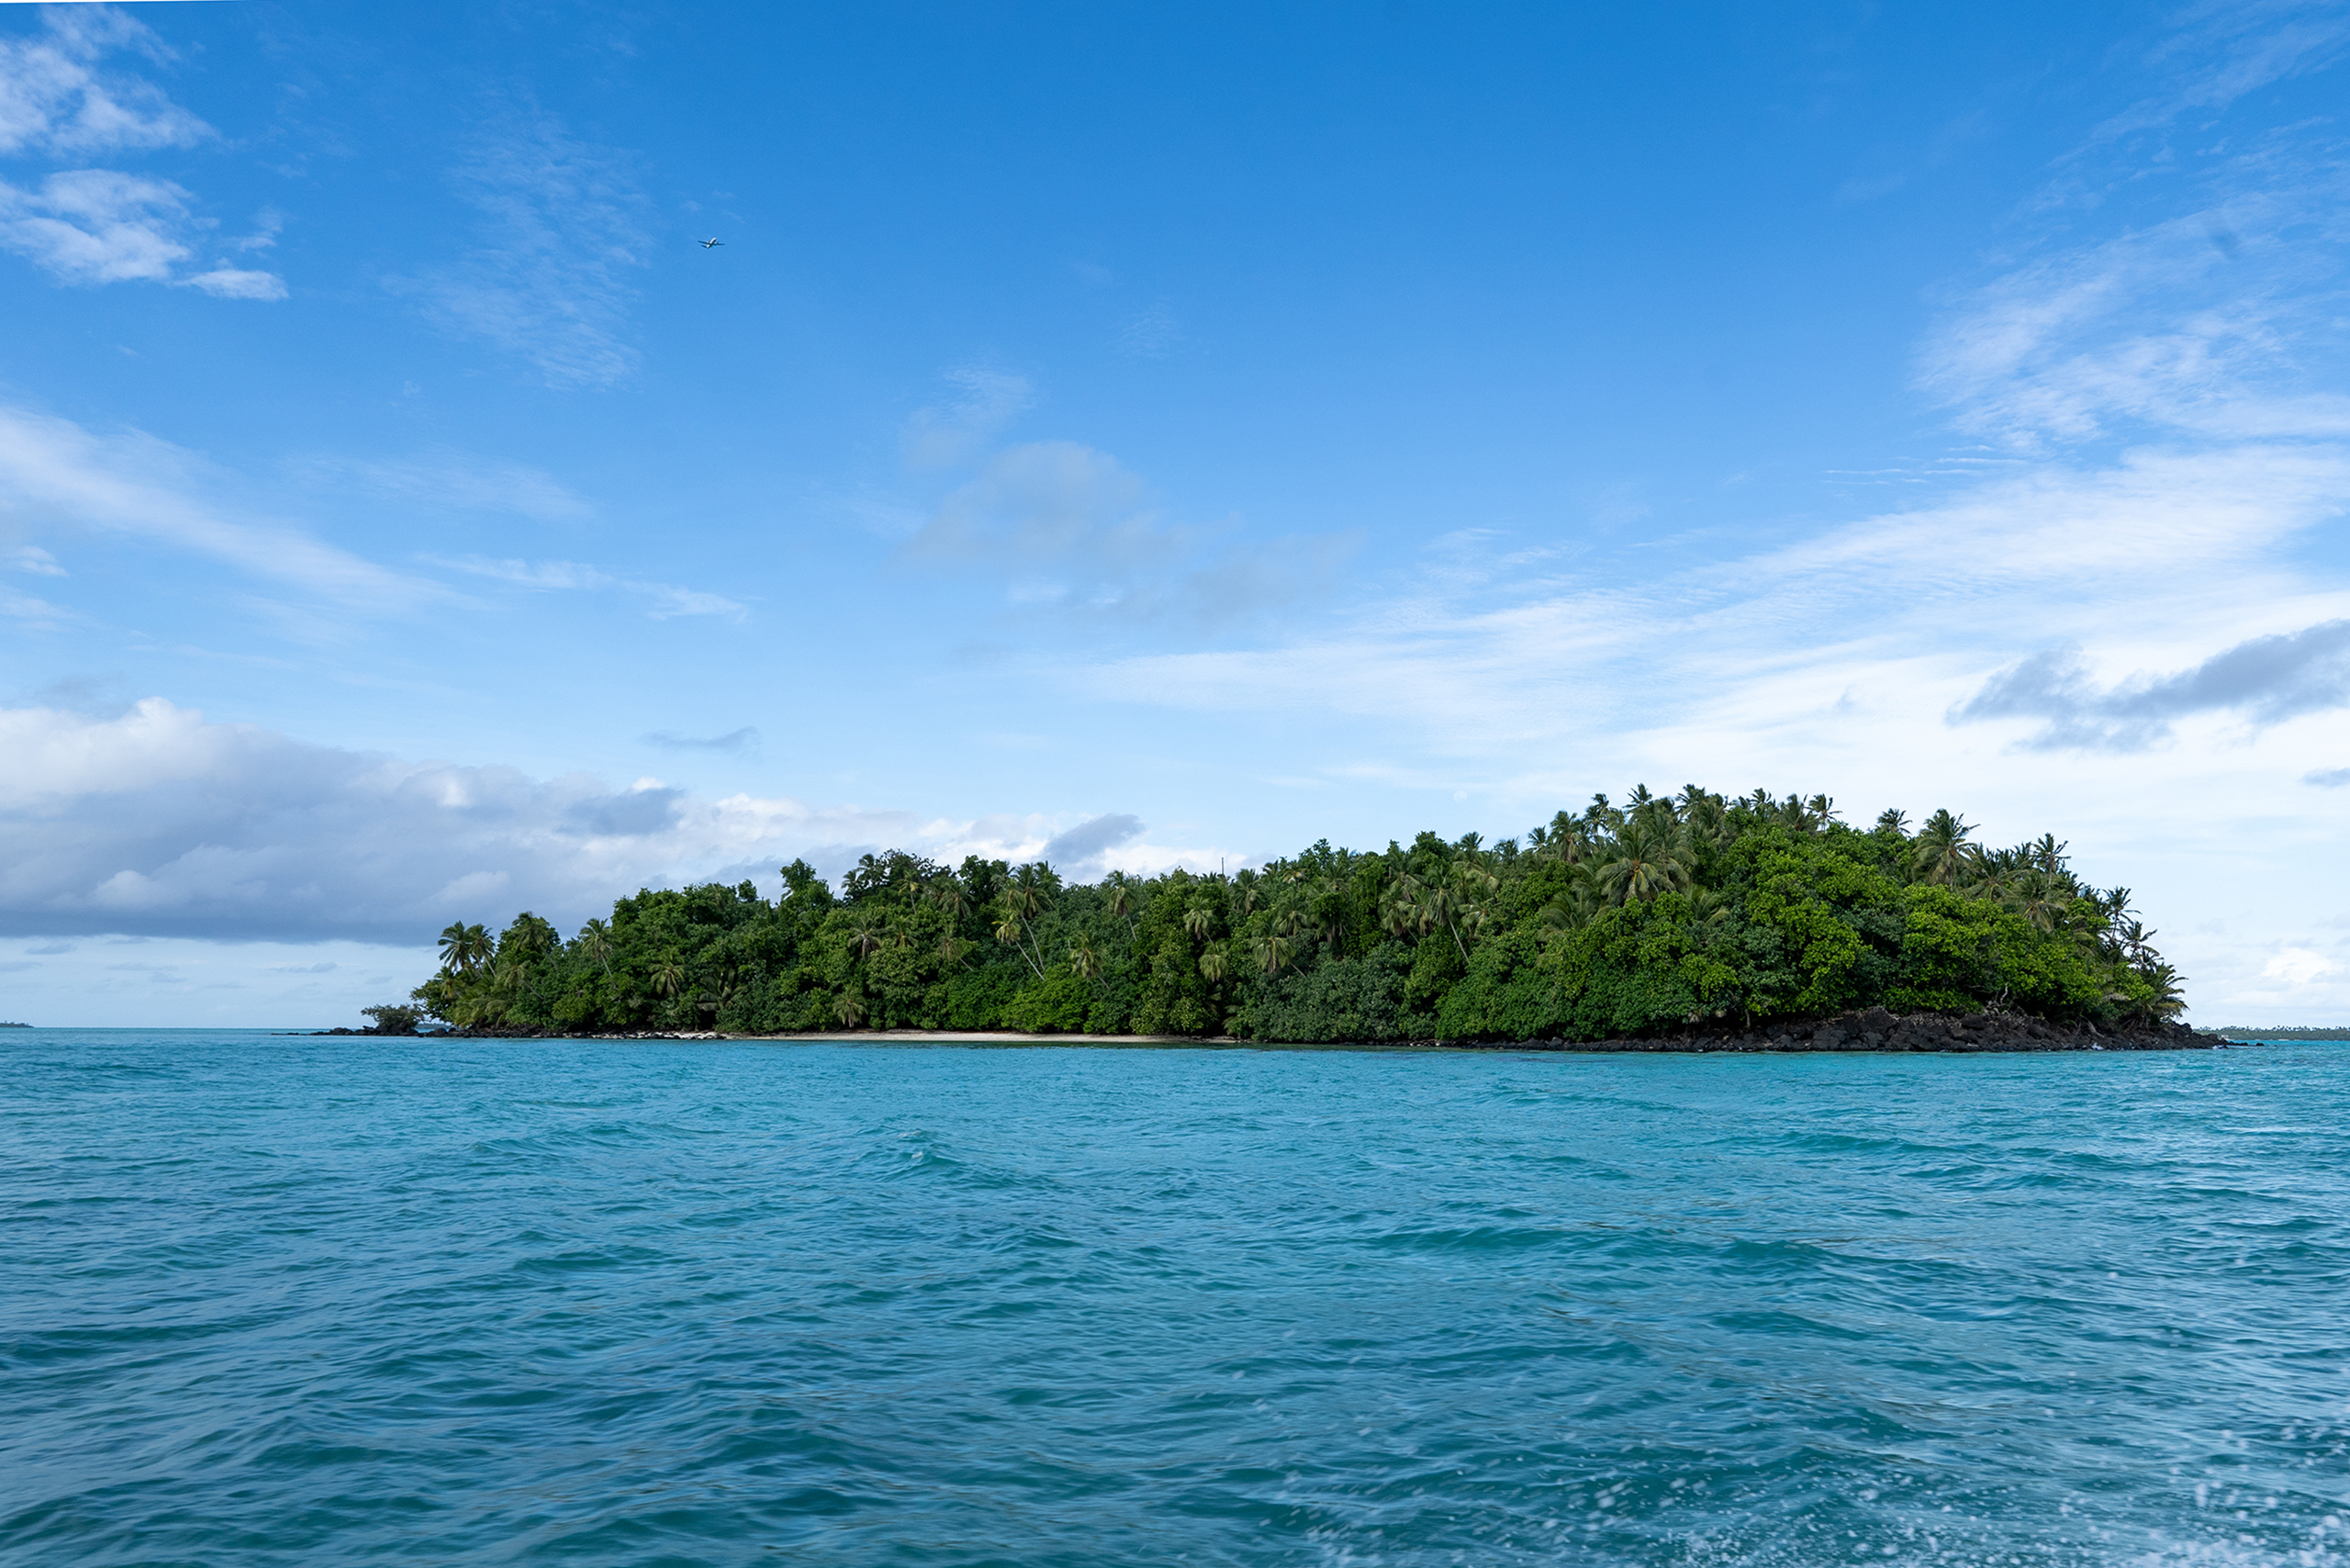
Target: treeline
[{"x": 1644, "y": 918}]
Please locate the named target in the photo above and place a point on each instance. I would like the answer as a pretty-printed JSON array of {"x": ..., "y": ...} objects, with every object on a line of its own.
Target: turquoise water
[{"x": 272, "y": 1301}]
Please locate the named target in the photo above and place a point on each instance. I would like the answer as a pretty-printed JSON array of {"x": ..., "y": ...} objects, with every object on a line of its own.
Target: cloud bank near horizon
[{"x": 157, "y": 822}]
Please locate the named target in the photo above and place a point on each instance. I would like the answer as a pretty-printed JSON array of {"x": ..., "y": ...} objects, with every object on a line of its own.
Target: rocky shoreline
[
  {"x": 1877, "y": 1029},
  {"x": 1874, "y": 1029}
]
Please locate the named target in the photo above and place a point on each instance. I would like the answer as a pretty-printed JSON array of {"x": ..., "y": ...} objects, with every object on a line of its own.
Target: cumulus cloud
[
  {"x": 1082, "y": 852},
  {"x": 156, "y": 822},
  {"x": 2328, "y": 778},
  {"x": 2268, "y": 679},
  {"x": 94, "y": 226},
  {"x": 1072, "y": 532},
  {"x": 89, "y": 227},
  {"x": 560, "y": 233},
  {"x": 56, "y": 98}
]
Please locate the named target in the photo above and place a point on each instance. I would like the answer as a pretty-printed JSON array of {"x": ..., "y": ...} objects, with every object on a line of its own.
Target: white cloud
[
  {"x": 239, "y": 283},
  {"x": 2299, "y": 966},
  {"x": 54, "y": 97},
  {"x": 668, "y": 598},
  {"x": 560, "y": 234},
  {"x": 2168, "y": 466},
  {"x": 1071, "y": 533},
  {"x": 94, "y": 226},
  {"x": 158, "y": 822},
  {"x": 455, "y": 482},
  {"x": 985, "y": 402},
  {"x": 34, "y": 559},
  {"x": 1154, "y": 334},
  {"x": 90, "y": 227},
  {"x": 54, "y": 473}
]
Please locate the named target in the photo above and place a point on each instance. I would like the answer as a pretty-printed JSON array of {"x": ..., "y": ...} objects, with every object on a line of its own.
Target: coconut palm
[
  {"x": 866, "y": 933},
  {"x": 2040, "y": 898},
  {"x": 595, "y": 945},
  {"x": 1943, "y": 850},
  {"x": 1274, "y": 951},
  {"x": 464, "y": 948},
  {"x": 1646, "y": 863},
  {"x": 1198, "y": 921},
  {"x": 1084, "y": 961},
  {"x": 2046, "y": 854},
  {"x": 1891, "y": 820},
  {"x": 1247, "y": 892},
  {"x": 1212, "y": 966},
  {"x": 668, "y": 977},
  {"x": 849, "y": 1008}
]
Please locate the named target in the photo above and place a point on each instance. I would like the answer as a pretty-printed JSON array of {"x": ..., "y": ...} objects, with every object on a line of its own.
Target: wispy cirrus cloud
[
  {"x": 560, "y": 232},
  {"x": 666, "y": 600},
  {"x": 961, "y": 427},
  {"x": 739, "y": 741},
  {"x": 56, "y": 473},
  {"x": 454, "y": 481},
  {"x": 1073, "y": 534}
]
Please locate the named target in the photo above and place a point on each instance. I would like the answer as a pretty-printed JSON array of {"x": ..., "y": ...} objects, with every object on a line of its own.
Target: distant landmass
[
  {"x": 1662, "y": 917},
  {"x": 3, "y": 1025},
  {"x": 2246, "y": 1032}
]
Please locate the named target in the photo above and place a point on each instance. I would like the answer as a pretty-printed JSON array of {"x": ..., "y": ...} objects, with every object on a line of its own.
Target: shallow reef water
[{"x": 270, "y": 1300}]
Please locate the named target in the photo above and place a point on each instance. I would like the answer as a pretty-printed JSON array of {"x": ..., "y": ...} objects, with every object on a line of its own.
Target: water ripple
[{"x": 280, "y": 1301}]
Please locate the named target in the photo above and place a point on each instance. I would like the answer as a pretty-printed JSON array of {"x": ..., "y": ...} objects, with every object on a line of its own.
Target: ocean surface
[{"x": 291, "y": 1301}]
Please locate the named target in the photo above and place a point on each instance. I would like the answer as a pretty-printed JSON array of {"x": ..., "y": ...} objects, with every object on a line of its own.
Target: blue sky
[{"x": 1147, "y": 436}]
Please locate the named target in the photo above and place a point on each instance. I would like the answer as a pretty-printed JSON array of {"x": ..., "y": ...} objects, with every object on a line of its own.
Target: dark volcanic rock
[{"x": 1878, "y": 1030}]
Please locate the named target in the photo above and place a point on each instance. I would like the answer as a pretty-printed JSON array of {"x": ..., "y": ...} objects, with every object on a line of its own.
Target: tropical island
[{"x": 1689, "y": 918}]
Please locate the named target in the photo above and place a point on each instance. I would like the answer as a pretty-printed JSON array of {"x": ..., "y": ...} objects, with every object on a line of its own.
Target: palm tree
[
  {"x": 1198, "y": 921},
  {"x": 866, "y": 934},
  {"x": 465, "y": 947},
  {"x": 1083, "y": 959},
  {"x": 849, "y": 1008},
  {"x": 1274, "y": 951},
  {"x": 1212, "y": 966},
  {"x": 2040, "y": 899},
  {"x": 1246, "y": 891},
  {"x": 668, "y": 975},
  {"x": 1941, "y": 853},
  {"x": 1645, "y": 864},
  {"x": 1402, "y": 911},
  {"x": 596, "y": 944},
  {"x": 947, "y": 895},
  {"x": 1891, "y": 820}
]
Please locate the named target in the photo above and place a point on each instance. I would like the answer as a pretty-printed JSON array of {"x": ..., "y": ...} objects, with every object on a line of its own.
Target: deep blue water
[{"x": 272, "y": 1301}]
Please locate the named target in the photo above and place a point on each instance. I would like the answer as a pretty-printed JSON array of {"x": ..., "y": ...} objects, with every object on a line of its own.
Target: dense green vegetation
[{"x": 1651, "y": 917}]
